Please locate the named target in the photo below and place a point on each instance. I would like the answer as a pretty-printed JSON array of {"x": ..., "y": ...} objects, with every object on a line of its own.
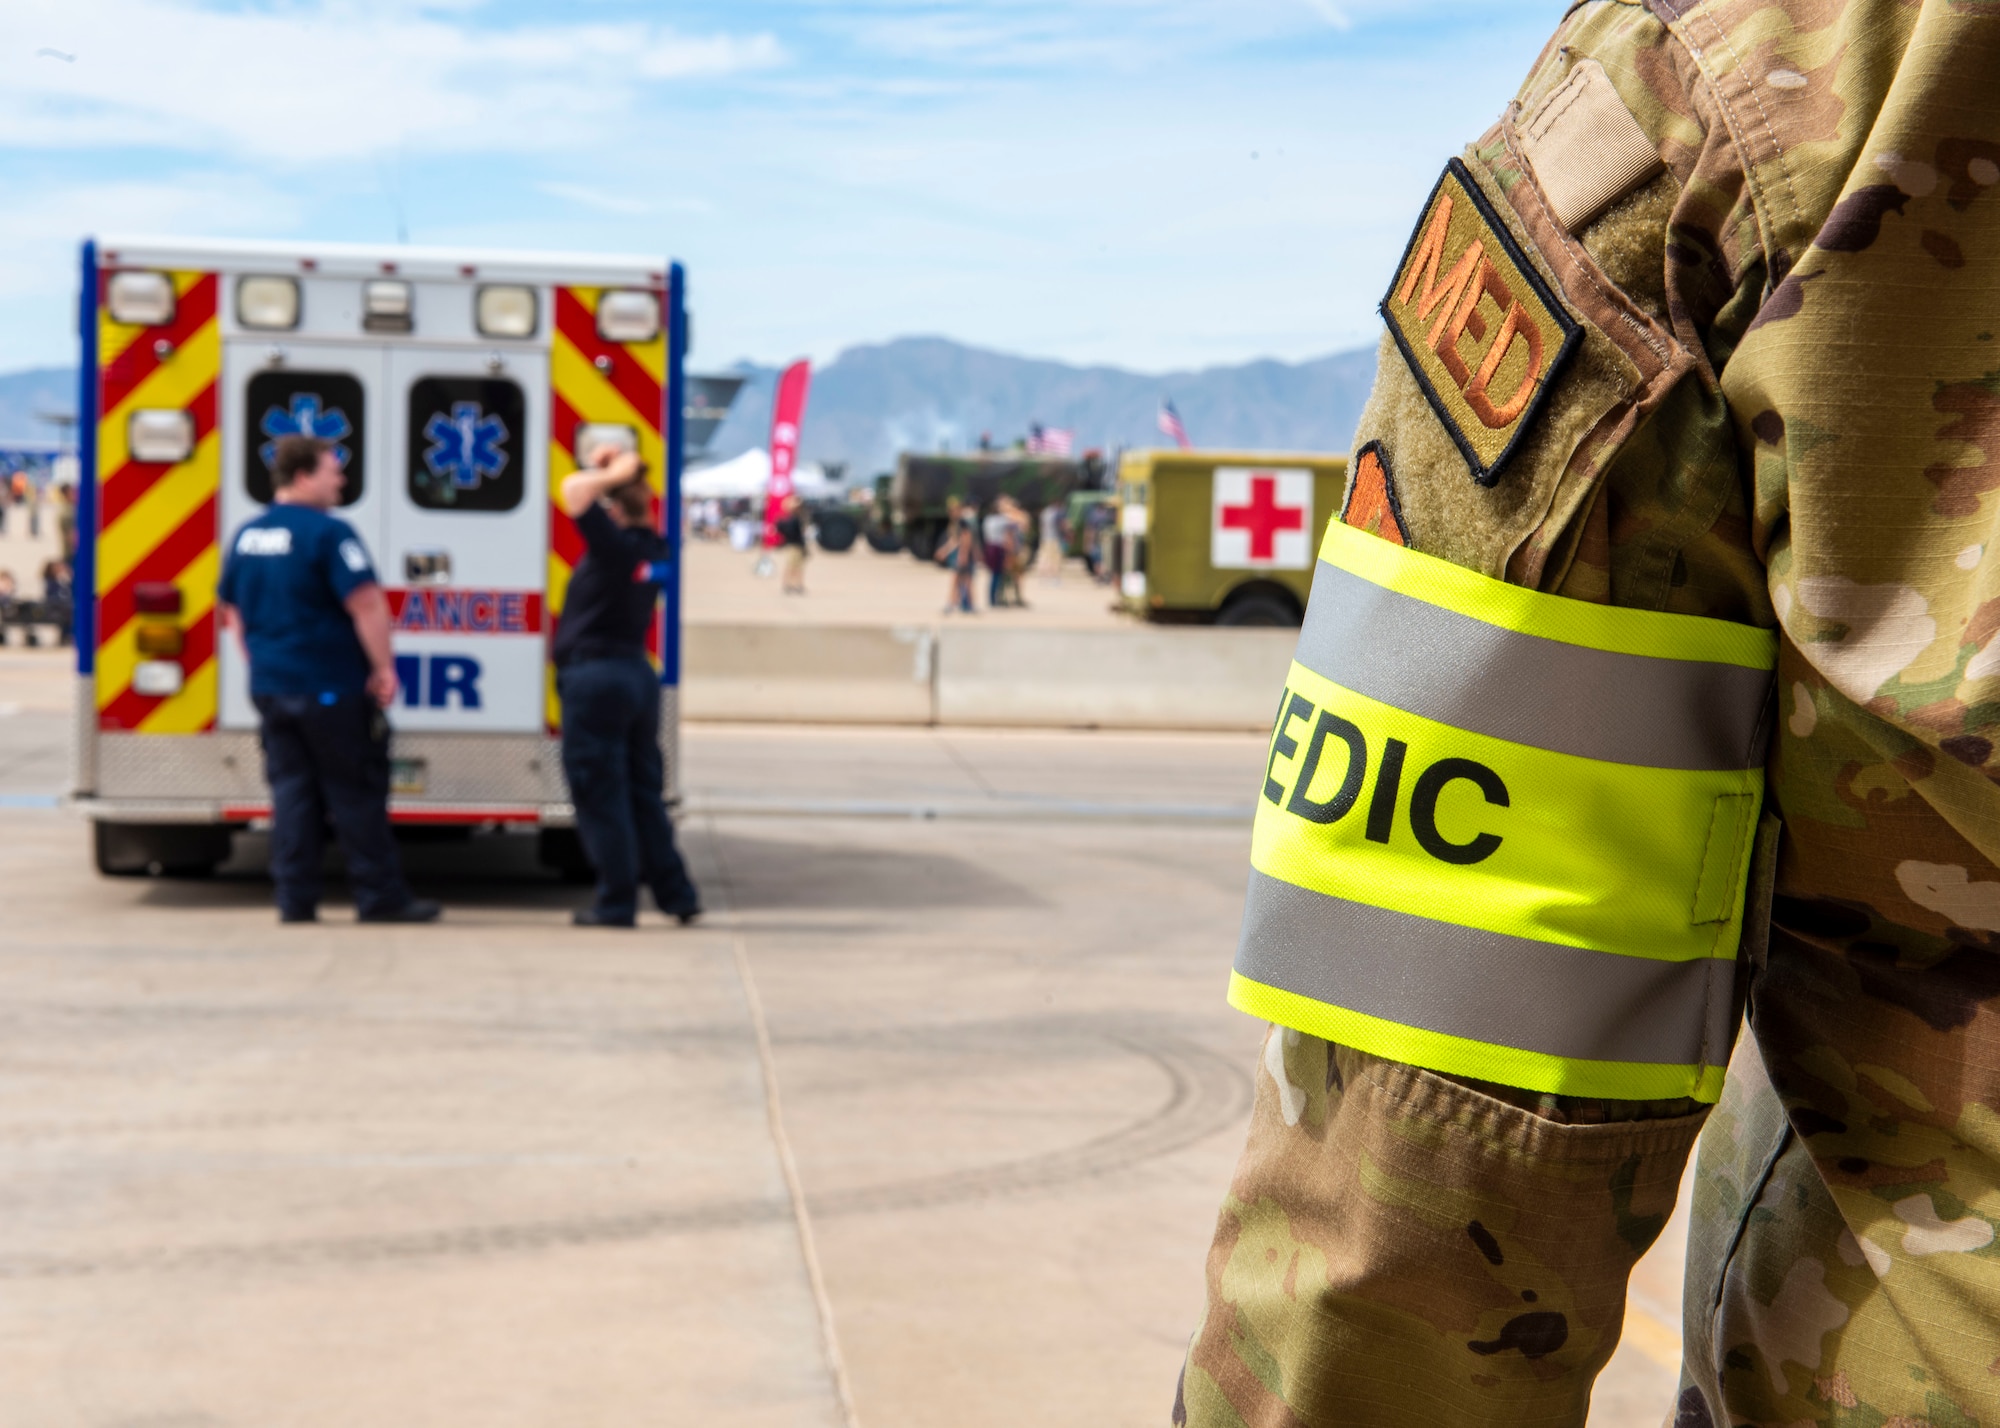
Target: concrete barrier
[
  {"x": 819, "y": 674},
  {"x": 1139, "y": 678}
]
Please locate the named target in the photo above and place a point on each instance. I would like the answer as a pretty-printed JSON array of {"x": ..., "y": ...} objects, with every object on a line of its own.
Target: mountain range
[
  {"x": 26, "y": 397},
  {"x": 933, "y": 394}
]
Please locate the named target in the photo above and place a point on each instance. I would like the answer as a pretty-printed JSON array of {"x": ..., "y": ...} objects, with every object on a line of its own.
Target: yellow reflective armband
[{"x": 1506, "y": 835}]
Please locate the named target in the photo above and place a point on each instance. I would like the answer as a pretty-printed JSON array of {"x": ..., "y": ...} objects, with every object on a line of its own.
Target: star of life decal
[
  {"x": 308, "y": 416},
  {"x": 466, "y": 447}
]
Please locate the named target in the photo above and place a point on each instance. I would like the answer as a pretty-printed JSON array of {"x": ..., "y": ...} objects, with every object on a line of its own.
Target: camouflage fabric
[{"x": 1785, "y": 411}]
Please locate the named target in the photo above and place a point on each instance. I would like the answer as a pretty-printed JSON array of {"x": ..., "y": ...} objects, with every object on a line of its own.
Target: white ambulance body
[{"x": 458, "y": 388}]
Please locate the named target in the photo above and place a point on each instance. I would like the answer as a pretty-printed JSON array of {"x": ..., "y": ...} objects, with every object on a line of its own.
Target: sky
[{"x": 1154, "y": 184}]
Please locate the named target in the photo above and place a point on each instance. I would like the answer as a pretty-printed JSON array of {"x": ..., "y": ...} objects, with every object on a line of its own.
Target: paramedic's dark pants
[
  {"x": 330, "y": 761},
  {"x": 611, "y": 756}
]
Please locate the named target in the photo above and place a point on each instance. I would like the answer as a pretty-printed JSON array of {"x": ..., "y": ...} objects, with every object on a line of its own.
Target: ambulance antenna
[{"x": 394, "y": 191}]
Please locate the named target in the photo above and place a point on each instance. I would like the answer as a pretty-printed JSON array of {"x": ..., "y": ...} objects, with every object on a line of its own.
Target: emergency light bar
[
  {"x": 271, "y": 304},
  {"x": 141, "y": 299}
]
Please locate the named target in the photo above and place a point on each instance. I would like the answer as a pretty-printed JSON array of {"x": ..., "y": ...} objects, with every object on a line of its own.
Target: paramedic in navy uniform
[
  {"x": 299, "y": 586},
  {"x": 611, "y": 695}
]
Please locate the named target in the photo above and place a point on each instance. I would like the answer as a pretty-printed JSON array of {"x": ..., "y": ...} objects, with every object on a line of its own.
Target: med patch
[{"x": 1483, "y": 333}]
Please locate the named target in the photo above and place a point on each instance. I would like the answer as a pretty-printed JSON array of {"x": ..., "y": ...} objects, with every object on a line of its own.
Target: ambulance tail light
[
  {"x": 268, "y": 304},
  {"x": 160, "y": 437},
  {"x": 628, "y": 315},
  {"x": 158, "y": 678},
  {"x": 159, "y": 640},
  {"x": 158, "y": 605},
  {"x": 156, "y": 597},
  {"x": 141, "y": 299},
  {"x": 506, "y": 310}
]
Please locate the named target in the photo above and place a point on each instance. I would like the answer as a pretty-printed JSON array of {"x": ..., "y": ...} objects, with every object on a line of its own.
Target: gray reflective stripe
[
  {"x": 1486, "y": 986},
  {"x": 1442, "y": 665}
]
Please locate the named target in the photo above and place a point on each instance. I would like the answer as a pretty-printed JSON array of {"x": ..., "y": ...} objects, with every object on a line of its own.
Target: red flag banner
[{"x": 788, "y": 414}]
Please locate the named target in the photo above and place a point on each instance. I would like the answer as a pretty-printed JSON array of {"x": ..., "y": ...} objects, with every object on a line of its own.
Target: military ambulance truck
[
  {"x": 1211, "y": 537},
  {"x": 458, "y": 389}
]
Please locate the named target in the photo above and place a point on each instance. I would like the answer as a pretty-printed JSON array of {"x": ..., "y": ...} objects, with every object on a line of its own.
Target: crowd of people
[
  {"x": 46, "y": 614},
  {"x": 53, "y": 612},
  {"x": 998, "y": 543},
  {"x": 738, "y": 520}
]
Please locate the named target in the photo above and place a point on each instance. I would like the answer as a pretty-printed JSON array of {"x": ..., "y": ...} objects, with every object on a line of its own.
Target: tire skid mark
[{"x": 1206, "y": 1093}]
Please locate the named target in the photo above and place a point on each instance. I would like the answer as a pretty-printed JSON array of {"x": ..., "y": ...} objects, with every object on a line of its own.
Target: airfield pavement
[
  {"x": 860, "y": 586},
  {"x": 954, "y": 1021}
]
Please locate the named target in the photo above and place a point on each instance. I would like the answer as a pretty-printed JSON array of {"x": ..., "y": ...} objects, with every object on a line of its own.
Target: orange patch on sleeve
[{"x": 1371, "y": 498}]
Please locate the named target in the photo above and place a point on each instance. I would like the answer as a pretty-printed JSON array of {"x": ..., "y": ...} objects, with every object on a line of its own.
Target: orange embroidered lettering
[
  {"x": 1516, "y": 325},
  {"x": 1461, "y": 259}
]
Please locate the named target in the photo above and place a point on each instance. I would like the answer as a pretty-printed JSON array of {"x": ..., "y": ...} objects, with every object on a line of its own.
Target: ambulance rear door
[
  {"x": 330, "y": 390},
  {"x": 466, "y": 543}
]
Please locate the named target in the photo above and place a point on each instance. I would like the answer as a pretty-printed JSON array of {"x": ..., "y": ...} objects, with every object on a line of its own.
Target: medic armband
[{"x": 1504, "y": 834}]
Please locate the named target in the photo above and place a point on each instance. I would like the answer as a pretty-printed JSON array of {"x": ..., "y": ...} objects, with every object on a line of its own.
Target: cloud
[
  {"x": 1118, "y": 34},
  {"x": 331, "y": 79},
  {"x": 1068, "y": 177},
  {"x": 625, "y": 205},
  {"x": 42, "y": 233}
]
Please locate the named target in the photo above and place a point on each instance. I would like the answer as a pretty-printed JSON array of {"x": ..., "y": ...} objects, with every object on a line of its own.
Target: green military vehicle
[
  {"x": 1226, "y": 538},
  {"x": 921, "y": 491},
  {"x": 878, "y": 523}
]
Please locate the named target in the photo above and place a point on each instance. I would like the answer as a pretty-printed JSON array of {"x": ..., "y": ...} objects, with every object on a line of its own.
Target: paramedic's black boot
[{"x": 417, "y": 909}]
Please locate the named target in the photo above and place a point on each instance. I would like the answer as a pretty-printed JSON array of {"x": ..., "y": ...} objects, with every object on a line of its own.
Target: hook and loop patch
[{"x": 1483, "y": 333}]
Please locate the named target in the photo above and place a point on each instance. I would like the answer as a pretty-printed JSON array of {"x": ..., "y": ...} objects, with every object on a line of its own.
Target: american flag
[
  {"x": 1051, "y": 440},
  {"x": 1170, "y": 423}
]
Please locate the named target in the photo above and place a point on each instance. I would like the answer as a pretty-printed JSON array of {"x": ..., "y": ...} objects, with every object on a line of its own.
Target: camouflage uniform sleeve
[
  {"x": 1782, "y": 408},
  {"x": 1406, "y": 1248},
  {"x": 1841, "y": 1265},
  {"x": 1866, "y": 395}
]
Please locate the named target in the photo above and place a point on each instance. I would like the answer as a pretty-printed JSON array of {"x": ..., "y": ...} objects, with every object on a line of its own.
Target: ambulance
[
  {"x": 457, "y": 389},
  {"x": 1224, "y": 538}
]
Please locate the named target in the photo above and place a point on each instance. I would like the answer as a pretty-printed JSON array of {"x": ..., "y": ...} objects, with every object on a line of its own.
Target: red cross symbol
[{"x": 1263, "y": 518}]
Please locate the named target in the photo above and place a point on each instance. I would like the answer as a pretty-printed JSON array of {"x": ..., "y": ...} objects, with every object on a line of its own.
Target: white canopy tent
[{"x": 748, "y": 476}]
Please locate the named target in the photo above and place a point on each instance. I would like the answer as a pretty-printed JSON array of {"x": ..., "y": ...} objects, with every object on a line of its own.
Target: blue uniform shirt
[{"x": 288, "y": 573}]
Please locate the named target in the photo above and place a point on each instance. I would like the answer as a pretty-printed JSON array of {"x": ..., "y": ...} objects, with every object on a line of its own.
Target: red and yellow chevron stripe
[
  {"x": 157, "y": 522},
  {"x": 591, "y": 380}
]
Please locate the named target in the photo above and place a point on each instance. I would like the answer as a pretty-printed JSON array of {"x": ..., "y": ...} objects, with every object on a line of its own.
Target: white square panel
[{"x": 1261, "y": 519}]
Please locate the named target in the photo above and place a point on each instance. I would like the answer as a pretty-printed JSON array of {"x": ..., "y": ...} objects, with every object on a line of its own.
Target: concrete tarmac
[
  {"x": 863, "y": 587},
  {"x": 503, "y": 1171}
]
